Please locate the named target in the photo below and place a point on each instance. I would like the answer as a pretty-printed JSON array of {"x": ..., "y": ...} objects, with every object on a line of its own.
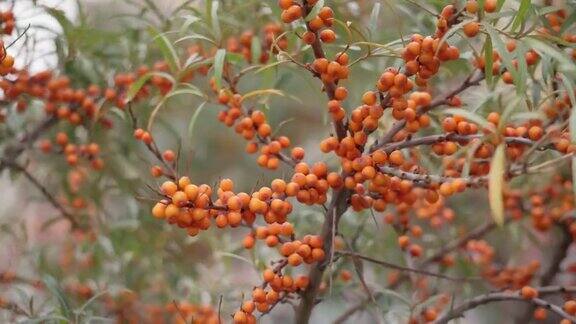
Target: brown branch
[
  {"x": 447, "y": 248},
  {"x": 459, "y": 311},
  {"x": 338, "y": 205},
  {"x": 13, "y": 151},
  {"x": 454, "y": 137},
  {"x": 547, "y": 277},
  {"x": 51, "y": 199}
]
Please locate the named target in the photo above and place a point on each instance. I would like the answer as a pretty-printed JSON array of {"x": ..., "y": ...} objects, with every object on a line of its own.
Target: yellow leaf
[{"x": 496, "y": 184}]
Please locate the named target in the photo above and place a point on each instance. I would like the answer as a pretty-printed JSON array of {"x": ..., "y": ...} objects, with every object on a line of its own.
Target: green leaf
[
  {"x": 194, "y": 118},
  {"x": 191, "y": 90},
  {"x": 522, "y": 14},
  {"x": 189, "y": 20},
  {"x": 315, "y": 10},
  {"x": 506, "y": 58},
  {"x": 55, "y": 289},
  {"x": 256, "y": 49},
  {"x": 214, "y": 20},
  {"x": 234, "y": 256},
  {"x": 373, "y": 22},
  {"x": 168, "y": 51},
  {"x": 489, "y": 61},
  {"x": 136, "y": 86},
  {"x": 545, "y": 49},
  {"x": 496, "y": 184},
  {"x": 263, "y": 92},
  {"x": 195, "y": 36},
  {"x": 219, "y": 59}
]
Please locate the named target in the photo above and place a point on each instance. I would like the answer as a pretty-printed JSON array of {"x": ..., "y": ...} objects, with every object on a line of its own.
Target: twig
[
  {"x": 53, "y": 201},
  {"x": 401, "y": 268},
  {"x": 459, "y": 311}
]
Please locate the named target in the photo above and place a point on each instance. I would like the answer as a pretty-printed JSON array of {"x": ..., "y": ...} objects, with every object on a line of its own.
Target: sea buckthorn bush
[{"x": 308, "y": 161}]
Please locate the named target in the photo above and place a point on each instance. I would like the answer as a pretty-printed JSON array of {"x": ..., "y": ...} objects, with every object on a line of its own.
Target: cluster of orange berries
[
  {"x": 7, "y": 22},
  {"x": 472, "y": 28},
  {"x": 511, "y": 277},
  {"x": 331, "y": 72},
  {"x": 74, "y": 152},
  {"x": 430, "y": 207},
  {"x": 128, "y": 307},
  {"x": 318, "y": 26},
  {"x": 191, "y": 206},
  {"x": 253, "y": 127},
  {"x": 264, "y": 299}
]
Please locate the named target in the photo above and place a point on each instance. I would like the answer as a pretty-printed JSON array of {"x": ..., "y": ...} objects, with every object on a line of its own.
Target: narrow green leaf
[
  {"x": 522, "y": 14},
  {"x": 192, "y": 122},
  {"x": 55, "y": 289},
  {"x": 373, "y": 22},
  {"x": 191, "y": 90},
  {"x": 219, "y": 59},
  {"x": 263, "y": 92},
  {"x": 214, "y": 20},
  {"x": 256, "y": 49},
  {"x": 234, "y": 256},
  {"x": 168, "y": 51},
  {"x": 506, "y": 57},
  {"x": 189, "y": 20},
  {"x": 496, "y": 184},
  {"x": 195, "y": 36},
  {"x": 545, "y": 49},
  {"x": 488, "y": 61},
  {"x": 315, "y": 10}
]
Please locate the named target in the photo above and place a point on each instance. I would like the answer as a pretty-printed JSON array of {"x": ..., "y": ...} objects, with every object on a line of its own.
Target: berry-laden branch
[
  {"x": 522, "y": 296},
  {"x": 473, "y": 79}
]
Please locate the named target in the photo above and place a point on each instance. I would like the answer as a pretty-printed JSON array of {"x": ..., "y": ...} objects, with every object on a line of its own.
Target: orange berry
[
  {"x": 159, "y": 210},
  {"x": 528, "y": 292},
  {"x": 369, "y": 98},
  {"x": 570, "y": 307},
  {"x": 535, "y": 133},
  {"x": 490, "y": 5},
  {"x": 240, "y": 318},
  {"x": 226, "y": 185},
  {"x": 540, "y": 314},
  {"x": 327, "y": 36},
  {"x": 169, "y": 188},
  {"x": 297, "y": 153},
  {"x": 249, "y": 242},
  {"x": 472, "y": 6},
  {"x": 169, "y": 155},
  {"x": 396, "y": 158},
  {"x": 471, "y": 29},
  {"x": 248, "y": 307},
  {"x": 294, "y": 259}
]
